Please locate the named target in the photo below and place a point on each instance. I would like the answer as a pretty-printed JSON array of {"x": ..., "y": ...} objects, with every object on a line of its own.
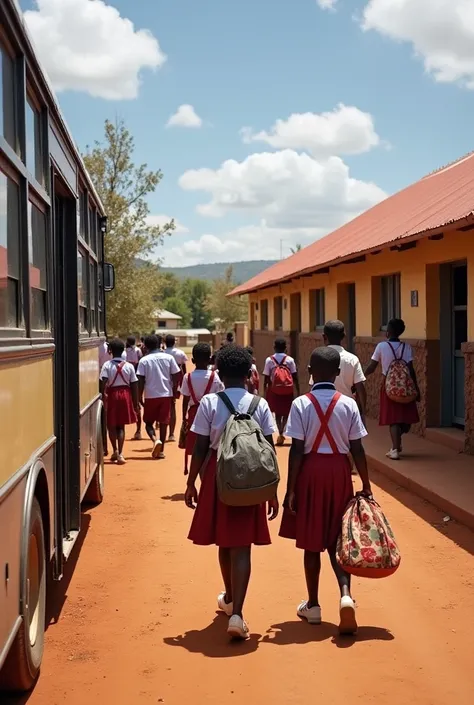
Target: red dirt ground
[{"x": 138, "y": 623}]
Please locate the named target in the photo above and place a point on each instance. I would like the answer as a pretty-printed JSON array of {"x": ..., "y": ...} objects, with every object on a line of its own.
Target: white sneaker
[
  {"x": 347, "y": 615},
  {"x": 311, "y": 614},
  {"x": 238, "y": 628},
  {"x": 121, "y": 460},
  {"x": 157, "y": 449},
  {"x": 393, "y": 454},
  {"x": 226, "y": 607}
]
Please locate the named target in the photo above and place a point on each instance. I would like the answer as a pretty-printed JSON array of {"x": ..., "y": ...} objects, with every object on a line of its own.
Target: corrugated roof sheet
[{"x": 444, "y": 196}]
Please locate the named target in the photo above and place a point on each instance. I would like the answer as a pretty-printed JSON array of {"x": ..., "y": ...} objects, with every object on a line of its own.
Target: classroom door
[{"x": 458, "y": 337}]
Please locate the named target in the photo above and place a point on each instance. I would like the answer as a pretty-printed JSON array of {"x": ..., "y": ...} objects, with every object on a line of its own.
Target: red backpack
[
  {"x": 253, "y": 383},
  {"x": 282, "y": 379}
]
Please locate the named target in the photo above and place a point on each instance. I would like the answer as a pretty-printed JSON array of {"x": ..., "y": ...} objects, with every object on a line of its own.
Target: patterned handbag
[{"x": 366, "y": 546}]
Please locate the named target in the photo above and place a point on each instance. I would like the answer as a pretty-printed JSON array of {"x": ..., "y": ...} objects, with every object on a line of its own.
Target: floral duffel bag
[{"x": 366, "y": 545}]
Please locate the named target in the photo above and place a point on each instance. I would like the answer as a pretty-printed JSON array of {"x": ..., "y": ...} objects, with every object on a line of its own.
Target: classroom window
[
  {"x": 389, "y": 299},
  {"x": 7, "y": 98},
  {"x": 82, "y": 291},
  {"x": 9, "y": 254},
  {"x": 264, "y": 315},
  {"x": 161, "y": 324},
  {"x": 37, "y": 248},
  {"x": 34, "y": 142},
  {"x": 278, "y": 313},
  {"x": 317, "y": 303}
]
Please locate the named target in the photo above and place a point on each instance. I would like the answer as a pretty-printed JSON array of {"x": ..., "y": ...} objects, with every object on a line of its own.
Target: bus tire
[
  {"x": 95, "y": 491},
  {"x": 23, "y": 662}
]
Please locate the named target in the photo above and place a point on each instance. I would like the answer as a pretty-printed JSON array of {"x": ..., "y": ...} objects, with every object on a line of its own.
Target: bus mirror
[{"x": 109, "y": 277}]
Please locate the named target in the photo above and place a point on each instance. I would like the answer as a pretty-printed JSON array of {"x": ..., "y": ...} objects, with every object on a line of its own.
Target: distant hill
[{"x": 242, "y": 270}]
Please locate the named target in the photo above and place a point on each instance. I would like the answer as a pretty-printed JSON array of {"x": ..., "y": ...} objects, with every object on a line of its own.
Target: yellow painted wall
[
  {"x": 26, "y": 411},
  {"x": 417, "y": 273},
  {"x": 88, "y": 375}
]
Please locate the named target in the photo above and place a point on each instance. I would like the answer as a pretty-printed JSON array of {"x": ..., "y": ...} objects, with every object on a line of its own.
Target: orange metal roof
[{"x": 443, "y": 197}]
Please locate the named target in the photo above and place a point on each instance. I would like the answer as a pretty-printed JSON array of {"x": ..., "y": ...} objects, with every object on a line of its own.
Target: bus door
[{"x": 66, "y": 371}]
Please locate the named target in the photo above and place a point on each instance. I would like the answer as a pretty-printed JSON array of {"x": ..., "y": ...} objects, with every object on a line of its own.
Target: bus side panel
[{"x": 89, "y": 402}]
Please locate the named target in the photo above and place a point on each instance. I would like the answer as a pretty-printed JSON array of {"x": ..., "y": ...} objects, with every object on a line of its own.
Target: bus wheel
[
  {"x": 23, "y": 663},
  {"x": 95, "y": 491}
]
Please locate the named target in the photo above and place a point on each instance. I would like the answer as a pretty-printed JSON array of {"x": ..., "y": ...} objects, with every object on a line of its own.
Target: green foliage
[
  {"x": 175, "y": 304},
  {"x": 225, "y": 311},
  {"x": 296, "y": 249},
  {"x": 123, "y": 188}
]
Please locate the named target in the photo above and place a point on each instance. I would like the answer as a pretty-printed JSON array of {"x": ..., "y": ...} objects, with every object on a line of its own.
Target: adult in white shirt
[
  {"x": 181, "y": 360},
  {"x": 232, "y": 529},
  {"x": 280, "y": 404},
  {"x": 158, "y": 377}
]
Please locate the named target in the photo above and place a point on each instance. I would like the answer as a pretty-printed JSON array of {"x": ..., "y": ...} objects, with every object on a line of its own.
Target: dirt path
[{"x": 138, "y": 623}]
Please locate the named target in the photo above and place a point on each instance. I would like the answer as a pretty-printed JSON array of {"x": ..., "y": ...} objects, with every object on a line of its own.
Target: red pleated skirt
[
  {"x": 120, "y": 411},
  {"x": 323, "y": 491},
  {"x": 280, "y": 404},
  {"x": 226, "y": 527},
  {"x": 391, "y": 412}
]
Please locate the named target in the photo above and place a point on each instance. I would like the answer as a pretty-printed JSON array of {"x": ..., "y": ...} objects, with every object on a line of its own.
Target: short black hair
[
  {"x": 142, "y": 339},
  {"x": 396, "y": 326},
  {"x": 334, "y": 332},
  {"x": 117, "y": 347},
  {"x": 325, "y": 363},
  {"x": 280, "y": 345},
  {"x": 131, "y": 340},
  {"x": 201, "y": 352},
  {"x": 234, "y": 361},
  {"x": 170, "y": 340},
  {"x": 230, "y": 337},
  {"x": 249, "y": 350},
  {"x": 152, "y": 342}
]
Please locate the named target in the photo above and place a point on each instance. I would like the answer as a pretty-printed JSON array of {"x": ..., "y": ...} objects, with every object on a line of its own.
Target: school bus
[{"x": 52, "y": 322}]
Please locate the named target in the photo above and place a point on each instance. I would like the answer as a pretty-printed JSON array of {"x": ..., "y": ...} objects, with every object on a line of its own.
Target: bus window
[
  {"x": 37, "y": 265},
  {"x": 82, "y": 291},
  {"x": 9, "y": 253},
  {"x": 7, "y": 98},
  {"x": 93, "y": 290}
]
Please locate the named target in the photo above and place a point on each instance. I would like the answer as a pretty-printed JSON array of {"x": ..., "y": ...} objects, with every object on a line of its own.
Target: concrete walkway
[{"x": 434, "y": 472}]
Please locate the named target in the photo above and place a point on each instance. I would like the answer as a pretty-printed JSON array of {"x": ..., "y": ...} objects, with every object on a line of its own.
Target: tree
[
  {"x": 177, "y": 305},
  {"x": 195, "y": 293},
  {"x": 225, "y": 311},
  {"x": 123, "y": 188},
  {"x": 295, "y": 249}
]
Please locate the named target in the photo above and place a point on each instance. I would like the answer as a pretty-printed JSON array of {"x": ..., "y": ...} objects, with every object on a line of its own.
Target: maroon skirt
[
  {"x": 392, "y": 412},
  {"x": 323, "y": 491},
  {"x": 120, "y": 411},
  {"x": 280, "y": 404},
  {"x": 226, "y": 527}
]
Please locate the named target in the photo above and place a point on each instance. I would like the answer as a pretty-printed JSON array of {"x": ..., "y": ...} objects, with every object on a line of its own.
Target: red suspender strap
[
  {"x": 191, "y": 390},
  {"x": 209, "y": 384},
  {"x": 324, "y": 420},
  {"x": 118, "y": 372},
  {"x": 196, "y": 401}
]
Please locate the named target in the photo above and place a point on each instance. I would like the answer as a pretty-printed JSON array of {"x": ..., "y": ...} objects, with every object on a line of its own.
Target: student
[
  {"x": 134, "y": 353},
  {"x": 158, "y": 376},
  {"x": 253, "y": 383},
  {"x": 351, "y": 379},
  {"x": 232, "y": 529},
  {"x": 398, "y": 416},
  {"x": 118, "y": 378},
  {"x": 325, "y": 426},
  {"x": 181, "y": 360},
  {"x": 280, "y": 404},
  {"x": 195, "y": 386}
]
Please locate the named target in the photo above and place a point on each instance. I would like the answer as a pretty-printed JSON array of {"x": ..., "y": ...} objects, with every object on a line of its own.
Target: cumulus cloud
[
  {"x": 327, "y": 4},
  {"x": 441, "y": 32},
  {"x": 344, "y": 130},
  {"x": 86, "y": 45},
  {"x": 185, "y": 116},
  {"x": 161, "y": 220},
  {"x": 286, "y": 188}
]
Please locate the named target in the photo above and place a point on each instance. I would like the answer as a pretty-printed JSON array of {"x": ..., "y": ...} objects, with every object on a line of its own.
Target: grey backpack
[{"x": 247, "y": 467}]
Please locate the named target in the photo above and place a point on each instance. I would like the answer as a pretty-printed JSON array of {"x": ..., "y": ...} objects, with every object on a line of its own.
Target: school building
[{"x": 411, "y": 256}]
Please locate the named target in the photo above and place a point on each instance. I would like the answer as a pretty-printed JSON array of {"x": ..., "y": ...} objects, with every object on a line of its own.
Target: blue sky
[{"x": 250, "y": 64}]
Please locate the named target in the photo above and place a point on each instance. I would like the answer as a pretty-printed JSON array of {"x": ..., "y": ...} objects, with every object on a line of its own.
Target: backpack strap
[
  {"x": 279, "y": 364},
  {"x": 253, "y": 405},
  {"x": 227, "y": 402},
  {"x": 395, "y": 352},
  {"x": 324, "y": 420},
  {"x": 117, "y": 373},
  {"x": 191, "y": 390}
]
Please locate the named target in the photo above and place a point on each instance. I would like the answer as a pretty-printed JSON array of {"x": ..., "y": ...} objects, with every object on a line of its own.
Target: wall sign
[{"x": 414, "y": 298}]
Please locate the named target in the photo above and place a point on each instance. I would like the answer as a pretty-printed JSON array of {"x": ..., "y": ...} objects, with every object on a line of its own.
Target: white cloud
[
  {"x": 441, "y": 32},
  {"x": 185, "y": 116},
  {"x": 86, "y": 45},
  {"x": 344, "y": 130},
  {"x": 286, "y": 188},
  {"x": 161, "y": 220},
  {"x": 327, "y": 4}
]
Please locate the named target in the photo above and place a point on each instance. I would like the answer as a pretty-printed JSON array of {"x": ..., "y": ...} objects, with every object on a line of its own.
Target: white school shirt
[
  {"x": 270, "y": 364},
  {"x": 350, "y": 372},
  {"x": 345, "y": 423},
  {"x": 200, "y": 380},
  {"x": 109, "y": 370},
  {"x": 105, "y": 356},
  {"x": 157, "y": 368},
  {"x": 133, "y": 354},
  {"x": 213, "y": 414},
  {"x": 179, "y": 355},
  {"x": 384, "y": 354}
]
